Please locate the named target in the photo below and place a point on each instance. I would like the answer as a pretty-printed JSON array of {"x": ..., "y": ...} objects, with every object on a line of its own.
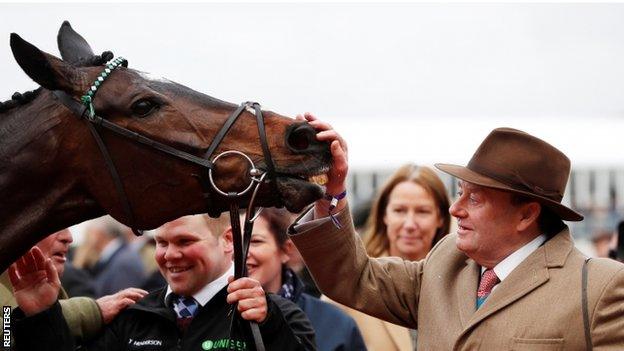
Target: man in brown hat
[{"x": 510, "y": 278}]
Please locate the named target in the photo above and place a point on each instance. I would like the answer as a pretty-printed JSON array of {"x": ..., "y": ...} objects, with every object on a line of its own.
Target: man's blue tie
[{"x": 185, "y": 308}]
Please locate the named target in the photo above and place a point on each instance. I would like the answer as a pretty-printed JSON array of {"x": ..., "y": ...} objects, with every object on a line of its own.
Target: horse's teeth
[{"x": 320, "y": 179}]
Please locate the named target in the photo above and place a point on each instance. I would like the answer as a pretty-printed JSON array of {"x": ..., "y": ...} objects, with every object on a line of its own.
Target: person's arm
[
  {"x": 39, "y": 322},
  {"x": 86, "y": 317},
  {"x": 607, "y": 317},
  {"x": 42, "y": 331},
  {"x": 83, "y": 317},
  {"x": 287, "y": 327},
  {"x": 387, "y": 288}
]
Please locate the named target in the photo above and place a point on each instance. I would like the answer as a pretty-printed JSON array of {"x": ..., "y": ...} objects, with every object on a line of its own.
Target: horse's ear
[
  {"x": 45, "y": 69},
  {"x": 73, "y": 47}
]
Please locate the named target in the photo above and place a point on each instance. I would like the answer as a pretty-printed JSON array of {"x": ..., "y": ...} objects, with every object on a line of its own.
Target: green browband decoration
[{"x": 87, "y": 98}]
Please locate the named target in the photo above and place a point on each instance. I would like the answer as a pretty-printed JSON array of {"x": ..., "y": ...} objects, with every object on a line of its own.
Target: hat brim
[{"x": 471, "y": 176}]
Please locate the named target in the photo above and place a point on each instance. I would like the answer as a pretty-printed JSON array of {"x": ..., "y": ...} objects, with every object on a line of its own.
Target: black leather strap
[
  {"x": 115, "y": 177},
  {"x": 224, "y": 130},
  {"x": 584, "y": 302},
  {"x": 270, "y": 166},
  {"x": 80, "y": 110}
]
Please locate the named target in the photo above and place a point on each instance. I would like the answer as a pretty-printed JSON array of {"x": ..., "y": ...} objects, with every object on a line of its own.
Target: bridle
[{"x": 86, "y": 111}]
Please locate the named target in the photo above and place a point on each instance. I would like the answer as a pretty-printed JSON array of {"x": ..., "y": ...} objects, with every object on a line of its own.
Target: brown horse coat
[{"x": 538, "y": 307}]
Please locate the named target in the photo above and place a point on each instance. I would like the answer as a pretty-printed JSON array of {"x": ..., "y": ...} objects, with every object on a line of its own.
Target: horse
[{"x": 53, "y": 173}]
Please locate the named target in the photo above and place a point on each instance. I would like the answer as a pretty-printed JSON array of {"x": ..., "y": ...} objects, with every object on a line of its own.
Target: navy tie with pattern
[{"x": 185, "y": 308}]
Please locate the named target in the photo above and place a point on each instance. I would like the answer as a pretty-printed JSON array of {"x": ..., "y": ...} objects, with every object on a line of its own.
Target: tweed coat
[
  {"x": 537, "y": 307},
  {"x": 379, "y": 335}
]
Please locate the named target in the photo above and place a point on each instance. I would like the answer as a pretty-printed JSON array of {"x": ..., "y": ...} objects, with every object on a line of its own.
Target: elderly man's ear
[{"x": 529, "y": 212}]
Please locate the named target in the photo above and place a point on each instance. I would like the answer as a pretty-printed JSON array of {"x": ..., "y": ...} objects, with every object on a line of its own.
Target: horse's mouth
[{"x": 301, "y": 189}]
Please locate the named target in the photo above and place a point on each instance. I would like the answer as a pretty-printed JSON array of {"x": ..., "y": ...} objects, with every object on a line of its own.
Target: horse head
[{"x": 53, "y": 175}]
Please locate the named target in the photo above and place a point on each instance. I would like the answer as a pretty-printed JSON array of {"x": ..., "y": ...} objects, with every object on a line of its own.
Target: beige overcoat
[
  {"x": 537, "y": 307},
  {"x": 379, "y": 335}
]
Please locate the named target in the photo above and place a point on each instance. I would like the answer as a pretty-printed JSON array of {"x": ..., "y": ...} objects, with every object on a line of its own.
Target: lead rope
[{"x": 241, "y": 246}]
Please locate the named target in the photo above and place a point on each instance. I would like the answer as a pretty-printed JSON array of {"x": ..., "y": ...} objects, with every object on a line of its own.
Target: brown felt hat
[{"x": 512, "y": 160}]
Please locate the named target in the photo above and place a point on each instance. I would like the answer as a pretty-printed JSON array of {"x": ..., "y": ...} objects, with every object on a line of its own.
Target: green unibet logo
[
  {"x": 207, "y": 345},
  {"x": 224, "y": 344}
]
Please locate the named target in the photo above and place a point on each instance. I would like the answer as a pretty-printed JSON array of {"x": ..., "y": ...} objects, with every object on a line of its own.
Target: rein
[{"x": 86, "y": 111}]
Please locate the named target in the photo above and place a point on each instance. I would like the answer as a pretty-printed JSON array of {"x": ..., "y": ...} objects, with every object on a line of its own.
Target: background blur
[{"x": 419, "y": 83}]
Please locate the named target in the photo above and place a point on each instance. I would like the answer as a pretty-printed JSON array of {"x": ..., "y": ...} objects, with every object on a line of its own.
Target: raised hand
[
  {"x": 35, "y": 282},
  {"x": 337, "y": 174},
  {"x": 248, "y": 292}
]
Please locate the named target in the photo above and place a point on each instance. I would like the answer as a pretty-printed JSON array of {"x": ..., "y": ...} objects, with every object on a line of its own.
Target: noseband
[{"x": 86, "y": 111}]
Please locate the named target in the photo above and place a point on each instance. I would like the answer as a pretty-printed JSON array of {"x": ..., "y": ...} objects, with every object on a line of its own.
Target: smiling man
[
  {"x": 85, "y": 316},
  {"x": 510, "y": 278},
  {"x": 193, "y": 312}
]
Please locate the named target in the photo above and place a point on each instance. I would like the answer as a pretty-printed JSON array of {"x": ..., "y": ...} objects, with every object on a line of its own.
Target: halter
[{"x": 86, "y": 111}]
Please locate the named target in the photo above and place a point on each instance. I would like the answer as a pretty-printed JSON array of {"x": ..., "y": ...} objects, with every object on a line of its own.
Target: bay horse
[{"x": 53, "y": 175}]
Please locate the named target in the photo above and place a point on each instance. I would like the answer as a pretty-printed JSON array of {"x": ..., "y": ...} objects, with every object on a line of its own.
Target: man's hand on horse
[
  {"x": 35, "y": 282},
  {"x": 250, "y": 296},
  {"x": 337, "y": 175}
]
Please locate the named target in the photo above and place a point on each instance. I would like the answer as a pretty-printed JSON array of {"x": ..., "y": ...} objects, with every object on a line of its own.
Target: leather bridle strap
[
  {"x": 80, "y": 110},
  {"x": 268, "y": 160}
]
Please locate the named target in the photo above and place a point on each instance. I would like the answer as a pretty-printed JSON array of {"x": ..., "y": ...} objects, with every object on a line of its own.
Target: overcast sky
[{"x": 421, "y": 83}]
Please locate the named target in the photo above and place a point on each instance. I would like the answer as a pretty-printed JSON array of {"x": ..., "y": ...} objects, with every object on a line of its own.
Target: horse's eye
[{"x": 144, "y": 107}]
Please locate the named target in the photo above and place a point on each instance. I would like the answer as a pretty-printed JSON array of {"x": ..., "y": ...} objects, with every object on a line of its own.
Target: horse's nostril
[{"x": 300, "y": 137}]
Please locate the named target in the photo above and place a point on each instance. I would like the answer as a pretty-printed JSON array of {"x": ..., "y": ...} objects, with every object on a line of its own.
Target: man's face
[
  {"x": 189, "y": 256},
  {"x": 56, "y": 246},
  {"x": 486, "y": 221}
]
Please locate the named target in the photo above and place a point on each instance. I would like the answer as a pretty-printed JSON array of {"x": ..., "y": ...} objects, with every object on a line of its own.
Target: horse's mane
[{"x": 18, "y": 99}]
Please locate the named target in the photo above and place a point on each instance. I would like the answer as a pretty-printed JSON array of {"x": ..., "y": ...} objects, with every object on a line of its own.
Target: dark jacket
[
  {"x": 108, "y": 278},
  {"x": 334, "y": 329},
  {"x": 151, "y": 325}
]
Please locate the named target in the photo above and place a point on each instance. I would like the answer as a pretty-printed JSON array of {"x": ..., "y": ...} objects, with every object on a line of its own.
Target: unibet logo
[
  {"x": 207, "y": 345},
  {"x": 224, "y": 344}
]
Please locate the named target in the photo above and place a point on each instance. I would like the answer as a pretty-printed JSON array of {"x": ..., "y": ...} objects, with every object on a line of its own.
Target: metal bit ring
[{"x": 253, "y": 172}]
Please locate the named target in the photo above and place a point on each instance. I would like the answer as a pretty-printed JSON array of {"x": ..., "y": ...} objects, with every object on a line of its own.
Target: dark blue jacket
[{"x": 334, "y": 329}]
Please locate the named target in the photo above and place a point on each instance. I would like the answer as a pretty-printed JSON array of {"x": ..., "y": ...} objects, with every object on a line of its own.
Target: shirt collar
[
  {"x": 209, "y": 290},
  {"x": 506, "y": 266}
]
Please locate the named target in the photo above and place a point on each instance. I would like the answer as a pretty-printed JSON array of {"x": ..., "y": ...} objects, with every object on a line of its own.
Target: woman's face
[
  {"x": 411, "y": 219},
  {"x": 265, "y": 258}
]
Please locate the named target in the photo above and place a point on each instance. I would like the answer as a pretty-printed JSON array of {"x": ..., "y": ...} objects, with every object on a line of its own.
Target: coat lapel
[
  {"x": 466, "y": 292},
  {"x": 528, "y": 276}
]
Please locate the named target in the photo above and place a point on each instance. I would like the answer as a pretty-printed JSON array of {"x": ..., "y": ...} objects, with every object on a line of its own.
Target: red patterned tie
[{"x": 488, "y": 280}]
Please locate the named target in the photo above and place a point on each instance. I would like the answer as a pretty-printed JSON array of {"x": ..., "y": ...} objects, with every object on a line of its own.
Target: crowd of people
[{"x": 507, "y": 277}]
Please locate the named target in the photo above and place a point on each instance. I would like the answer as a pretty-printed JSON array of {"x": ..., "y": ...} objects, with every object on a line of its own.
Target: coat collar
[{"x": 528, "y": 276}]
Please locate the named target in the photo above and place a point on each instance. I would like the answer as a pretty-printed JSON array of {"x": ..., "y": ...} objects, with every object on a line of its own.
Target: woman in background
[{"x": 269, "y": 253}]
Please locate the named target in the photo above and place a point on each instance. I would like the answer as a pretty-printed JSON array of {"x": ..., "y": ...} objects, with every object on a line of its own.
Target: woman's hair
[
  {"x": 375, "y": 236},
  {"x": 278, "y": 219}
]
